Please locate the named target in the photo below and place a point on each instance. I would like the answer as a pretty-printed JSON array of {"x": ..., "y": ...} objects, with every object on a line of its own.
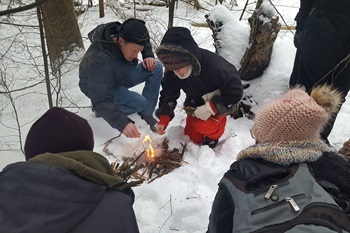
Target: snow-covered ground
[{"x": 179, "y": 201}]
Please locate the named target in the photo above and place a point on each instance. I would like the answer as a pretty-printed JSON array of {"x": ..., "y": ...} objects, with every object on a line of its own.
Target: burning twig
[
  {"x": 166, "y": 162},
  {"x": 150, "y": 164}
]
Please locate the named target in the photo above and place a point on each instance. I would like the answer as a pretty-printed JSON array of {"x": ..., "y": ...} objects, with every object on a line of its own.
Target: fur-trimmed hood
[
  {"x": 179, "y": 42},
  {"x": 286, "y": 153}
]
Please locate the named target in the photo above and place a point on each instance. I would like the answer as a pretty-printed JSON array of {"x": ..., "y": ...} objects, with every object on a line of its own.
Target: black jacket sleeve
[
  {"x": 332, "y": 172},
  {"x": 168, "y": 95},
  {"x": 147, "y": 51},
  {"x": 335, "y": 169}
]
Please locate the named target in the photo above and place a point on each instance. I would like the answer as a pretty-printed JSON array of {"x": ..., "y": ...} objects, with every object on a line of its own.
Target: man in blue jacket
[
  {"x": 64, "y": 186},
  {"x": 111, "y": 66}
]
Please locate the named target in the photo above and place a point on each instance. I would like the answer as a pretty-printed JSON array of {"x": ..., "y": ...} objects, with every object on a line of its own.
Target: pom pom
[{"x": 327, "y": 97}]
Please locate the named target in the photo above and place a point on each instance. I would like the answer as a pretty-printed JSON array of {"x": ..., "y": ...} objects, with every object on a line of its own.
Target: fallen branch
[{"x": 106, "y": 144}]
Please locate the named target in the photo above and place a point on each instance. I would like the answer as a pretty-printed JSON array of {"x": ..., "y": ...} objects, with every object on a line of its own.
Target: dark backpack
[{"x": 293, "y": 203}]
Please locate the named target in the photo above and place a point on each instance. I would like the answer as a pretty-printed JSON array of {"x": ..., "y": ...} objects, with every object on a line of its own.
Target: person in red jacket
[{"x": 212, "y": 86}]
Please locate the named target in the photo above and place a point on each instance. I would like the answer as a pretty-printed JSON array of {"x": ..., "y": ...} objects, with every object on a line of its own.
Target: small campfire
[{"x": 153, "y": 162}]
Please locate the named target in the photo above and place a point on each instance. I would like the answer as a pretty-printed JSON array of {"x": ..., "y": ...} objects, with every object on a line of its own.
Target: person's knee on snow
[
  {"x": 205, "y": 132},
  {"x": 190, "y": 130}
]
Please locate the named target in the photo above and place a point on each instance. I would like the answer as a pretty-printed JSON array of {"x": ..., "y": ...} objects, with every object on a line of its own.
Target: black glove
[{"x": 297, "y": 38}]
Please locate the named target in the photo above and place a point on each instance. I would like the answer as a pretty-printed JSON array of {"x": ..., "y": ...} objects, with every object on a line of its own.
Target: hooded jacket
[
  {"x": 330, "y": 171},
  {"x": 67, "y": 192},
  {"x": 324, "y": 44},
  {"x": 103, "y": 68},
  {"x": 210, "y": 72},
  {"x": 324, "y": 31}
]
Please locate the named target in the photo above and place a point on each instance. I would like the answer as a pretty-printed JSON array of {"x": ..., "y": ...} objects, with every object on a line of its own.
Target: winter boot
[
  {"x": 210, "y": 142},
  {"x": 149, "y": 120}
]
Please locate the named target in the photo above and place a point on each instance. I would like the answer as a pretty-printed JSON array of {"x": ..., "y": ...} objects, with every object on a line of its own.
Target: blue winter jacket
[{"x": 103, "y": 68}]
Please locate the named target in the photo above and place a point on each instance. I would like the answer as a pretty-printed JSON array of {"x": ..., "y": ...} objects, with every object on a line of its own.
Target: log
[{"x": 264, "y": 31}]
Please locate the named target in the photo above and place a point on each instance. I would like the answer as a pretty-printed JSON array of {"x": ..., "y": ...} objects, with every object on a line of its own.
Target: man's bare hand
[
  {"x": 130, "y": 131},
  {"x": 149, "y": 64}
]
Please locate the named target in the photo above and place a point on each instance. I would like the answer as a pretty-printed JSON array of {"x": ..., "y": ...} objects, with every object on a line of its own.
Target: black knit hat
[
  {"x": 58, "y": 130},
  {"x": 134, "y": 31}
]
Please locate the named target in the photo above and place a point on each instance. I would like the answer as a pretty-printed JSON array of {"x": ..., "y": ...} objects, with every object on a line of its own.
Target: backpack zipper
[
  {"x": 270, "y": 189},
  {"x": 292, "y": 203},
  {"x": 290, "y": 200}
]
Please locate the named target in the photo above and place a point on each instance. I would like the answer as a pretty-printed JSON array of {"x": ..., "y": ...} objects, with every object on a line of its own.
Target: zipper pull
[
  {"x": 293, "y": 203},
  {"x": 270, "y": 191}
]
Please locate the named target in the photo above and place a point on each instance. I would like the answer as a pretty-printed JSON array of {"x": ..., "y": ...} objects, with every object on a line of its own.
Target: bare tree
[
  {"x": 101, "y": 6},
  {"x": 19, "y": 85},
  {"x": 6, "y": 86},
  {"x": 61, "y": 29},
  {"x": 171, "y": 13},
  {"x": 11, "y": 10}
]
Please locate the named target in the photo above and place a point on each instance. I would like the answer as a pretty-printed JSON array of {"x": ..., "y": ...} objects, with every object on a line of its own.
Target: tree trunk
[
  {"x": 101, "y": 7},
  {"x": 264, "y": 30},
  {"x": 171, "y": 13},
  {"x": 46, "y": 65},
  {"x": 61, "y": 29}
]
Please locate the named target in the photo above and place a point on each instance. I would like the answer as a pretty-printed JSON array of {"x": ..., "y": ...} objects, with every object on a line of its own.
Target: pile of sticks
[
  {"x": 165, "y": 162},
  {"x": 137, "y": 169}
]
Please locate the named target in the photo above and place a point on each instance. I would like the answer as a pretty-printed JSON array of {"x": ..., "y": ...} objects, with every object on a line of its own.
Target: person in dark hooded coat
[
  {"x": 63, "y": 187},
  {"x": 110, "y": 67},
  {"x": 322, "y": 40},
  {"x": 212, "y": 86}
]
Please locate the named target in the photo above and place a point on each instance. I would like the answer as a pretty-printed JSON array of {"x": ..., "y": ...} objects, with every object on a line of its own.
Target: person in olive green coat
[{"x": 63, "y": 186}]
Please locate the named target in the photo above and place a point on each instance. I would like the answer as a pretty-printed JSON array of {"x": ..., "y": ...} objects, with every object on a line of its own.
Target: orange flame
[{"x": 150, "y": 150}]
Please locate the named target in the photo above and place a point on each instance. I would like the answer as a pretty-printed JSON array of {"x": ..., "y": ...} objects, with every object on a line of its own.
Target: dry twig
[
  {"x": 135, "y": 170},
  {"x": 106, "y": 144}
]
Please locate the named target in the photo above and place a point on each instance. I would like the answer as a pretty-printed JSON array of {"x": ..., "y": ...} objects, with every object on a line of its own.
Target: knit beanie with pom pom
[{"x": 296, "y": 115}]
